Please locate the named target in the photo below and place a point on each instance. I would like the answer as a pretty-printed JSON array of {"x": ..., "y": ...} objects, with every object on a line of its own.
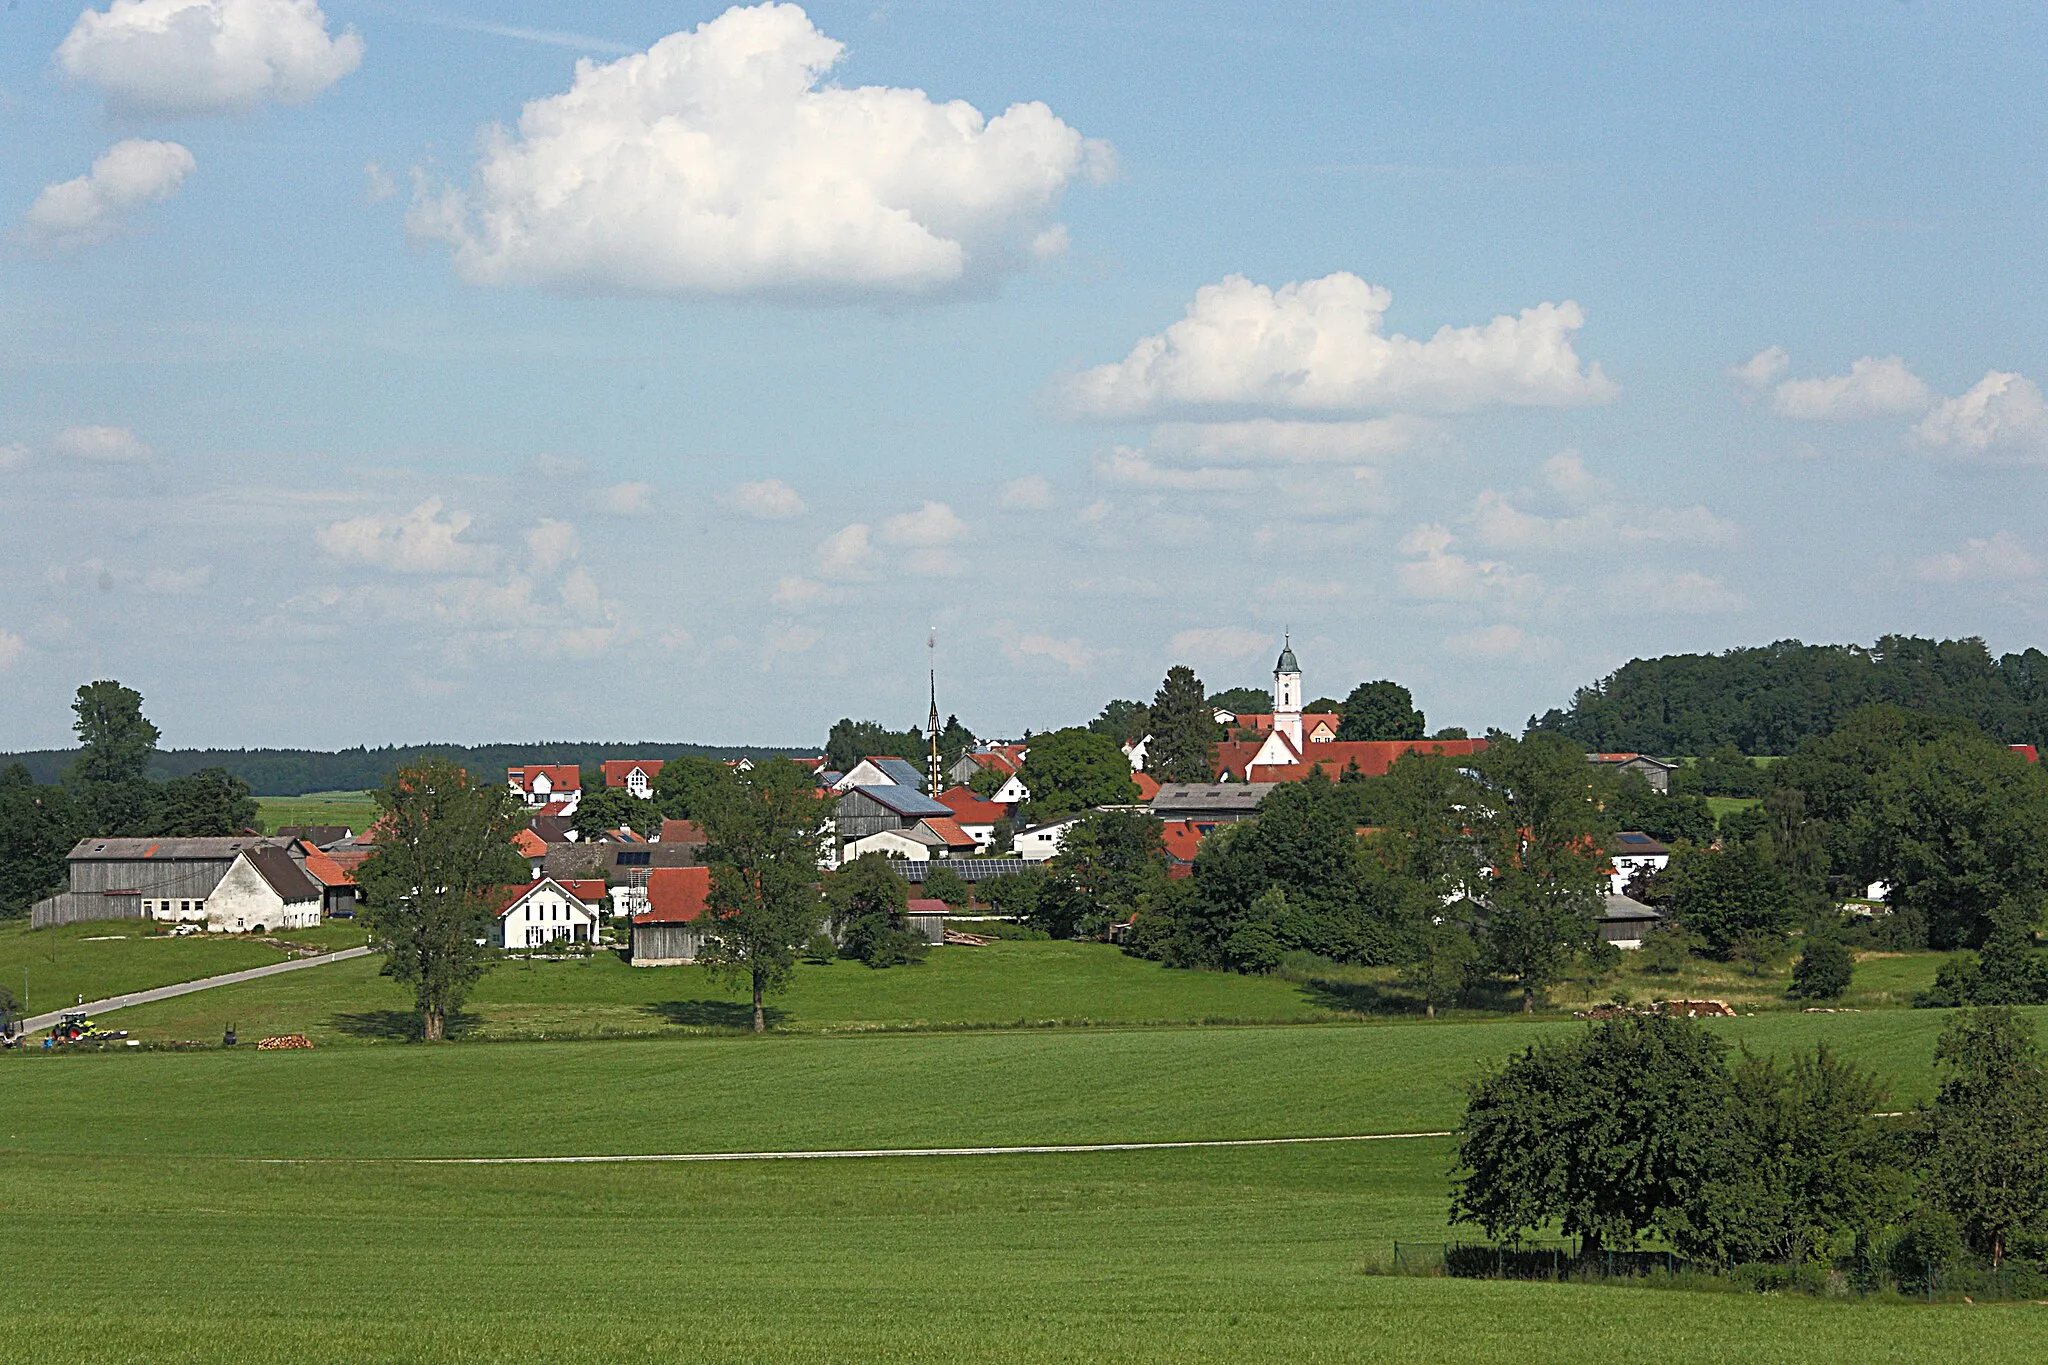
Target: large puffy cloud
[
  {"x": 2000, "y": 558},
  {"x": 716, "y": 162},
  {"x": 765, "y": 499},
  {"x": 95, "y": 206},
  {"x": 1440, "y": 574},
  {"x": 1320, "y": 346},
  {"x": 1874, "y": 387},
  {"x": 206, "y": 56},
  {"x": 2001, "y": 418},
  {"x": 422, "y": 541}
]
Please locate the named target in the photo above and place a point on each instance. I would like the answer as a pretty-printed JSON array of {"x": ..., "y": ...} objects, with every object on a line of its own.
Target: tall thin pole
[{"x": 931, "y": 645}]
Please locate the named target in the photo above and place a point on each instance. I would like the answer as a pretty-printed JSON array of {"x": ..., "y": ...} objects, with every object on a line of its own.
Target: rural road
[
  {"x": 207, "y": 983},
  {"x": 840, "y": 1154}
]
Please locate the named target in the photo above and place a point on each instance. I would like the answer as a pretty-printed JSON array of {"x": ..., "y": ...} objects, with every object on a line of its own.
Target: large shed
[
  {"x": 670, "y": 931},
  {"x": 143, "y": 878}
]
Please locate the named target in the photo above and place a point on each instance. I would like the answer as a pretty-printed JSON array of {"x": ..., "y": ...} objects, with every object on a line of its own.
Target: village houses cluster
[{"x": 660, "y": 884}]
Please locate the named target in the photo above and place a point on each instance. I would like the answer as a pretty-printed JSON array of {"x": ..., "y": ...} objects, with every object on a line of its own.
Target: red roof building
[
  {"x": 676, "y": 895},
  {"x": 1372, "y": 758},
  {"x": 635, "y": 775},
  {"x": 970, "y": 809}
]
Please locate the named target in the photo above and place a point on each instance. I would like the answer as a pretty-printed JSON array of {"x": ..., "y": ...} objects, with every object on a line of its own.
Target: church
[{"x": 1294, "y": 745}]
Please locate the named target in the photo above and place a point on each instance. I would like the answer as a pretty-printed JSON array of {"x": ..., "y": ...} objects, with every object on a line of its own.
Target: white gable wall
[{"x": 245, "y": 903}]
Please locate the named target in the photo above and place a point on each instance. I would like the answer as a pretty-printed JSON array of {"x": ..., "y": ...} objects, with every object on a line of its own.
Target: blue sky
[{"x": 686, "y": 406}]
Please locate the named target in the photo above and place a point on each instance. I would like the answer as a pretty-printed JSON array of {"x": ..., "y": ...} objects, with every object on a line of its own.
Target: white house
[
  {"x": 264, "y": 889},
  {"x": 1634, "y": 852},
  {"x": 881, "y": 771},
  {"x": 634, "y": 775},
  {"x": 1013, "y": 792},
  {"x": 1040, "y": 842},
  {"x": 549, "y": 911},
  {"x": 551, "y": 787}
]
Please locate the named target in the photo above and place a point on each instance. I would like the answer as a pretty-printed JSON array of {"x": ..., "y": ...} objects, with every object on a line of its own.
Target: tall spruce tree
[{"x": 1183, "y": 730}]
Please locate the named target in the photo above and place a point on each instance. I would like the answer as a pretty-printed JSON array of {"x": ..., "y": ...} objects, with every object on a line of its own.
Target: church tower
[{"x": 1287, "y": 695}]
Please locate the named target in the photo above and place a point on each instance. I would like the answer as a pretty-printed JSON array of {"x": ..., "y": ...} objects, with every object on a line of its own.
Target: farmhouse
[
  {"x": 339, "y": 894},
  {"x": 142, "y": 879},
  {"x": 635, "y": 775},
  {"x": 551, "y": 787},
  {"x": 549, "y": 911},
  {"x": 1655, "y": 771},
  {"x": 1635, "y": 852},
  {"x": 879, "y": 771},
  {"x": 864, "y": 812},
  {"x": 263, "y": 889},
  {"x": 669, "y": 931}
]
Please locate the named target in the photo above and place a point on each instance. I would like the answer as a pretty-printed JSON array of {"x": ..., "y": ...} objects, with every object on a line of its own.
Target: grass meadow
[
  {"x": 112, "y": 957},
  {"x": 149, "y": 1226},
  {"x": 354, "y": 809}
]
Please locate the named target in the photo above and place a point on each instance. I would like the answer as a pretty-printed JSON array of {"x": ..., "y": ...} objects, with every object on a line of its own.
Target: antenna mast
[{"x": 931, "y": 646}]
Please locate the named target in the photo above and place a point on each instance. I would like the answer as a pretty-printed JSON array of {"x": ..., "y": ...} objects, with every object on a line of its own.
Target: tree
[
  {"x": 444, "y": 853},
  {"x": 1380, "y": 710},
  {"x": 1733, "y": 899},
  {"x": 1073, "y": 769},
  {"x": 850, "y": 741},
  {"x": 1805, "y": 1164},
  {"x": 38, "y": 826},
  {"x": 209, "y": 803},
  {"x": 1824, "y": 970},
  {"x": 986, "y": 782},
  {"x": 683, "y": 785},
  {"x": 1182, "y": 748},
  {"x": 1122, "y": 721},
  {"x": 1541, "y": 826},
  {"x": 1444, "y": 955},
  {"x": 870, "y": 905},
  {"x": 944, "y": 884},
  {"x": 767, "y": 829},
  {"x": 115, "y": 741},
  {"x": 1609, "y": 1134},
  {"x": 1987, "y": 1136},
  {"x": 604, "y": 810},
  {"x": 1108, "y": 865},
  {"x": 1242, "y": 701}
]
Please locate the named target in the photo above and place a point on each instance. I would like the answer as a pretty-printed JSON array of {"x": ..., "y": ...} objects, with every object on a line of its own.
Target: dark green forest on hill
[
  {"x": 1766, "y": 699},
  {"x": 294, "y": 772}
]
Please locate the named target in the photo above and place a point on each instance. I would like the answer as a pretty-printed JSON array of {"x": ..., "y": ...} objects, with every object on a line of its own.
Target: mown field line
[{"x": 838, "y": 1154}]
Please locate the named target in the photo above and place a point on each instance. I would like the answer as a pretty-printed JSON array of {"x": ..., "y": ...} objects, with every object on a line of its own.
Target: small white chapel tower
[{"x": 1287, "y": 695}]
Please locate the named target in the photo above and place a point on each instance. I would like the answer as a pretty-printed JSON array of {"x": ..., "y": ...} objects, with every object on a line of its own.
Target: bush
[
  {"x": 1823, "y": 971},
  {"x": 1666, "y": 951},
  {"x": 1930, "y": 1243}
]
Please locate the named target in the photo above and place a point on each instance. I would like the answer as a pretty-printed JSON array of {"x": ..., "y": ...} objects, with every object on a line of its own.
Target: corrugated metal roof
[{"x": 166, "y": 850}]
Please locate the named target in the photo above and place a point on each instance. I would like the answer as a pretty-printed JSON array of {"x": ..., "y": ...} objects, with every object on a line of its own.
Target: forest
[{"x": 1766, "y": 699}]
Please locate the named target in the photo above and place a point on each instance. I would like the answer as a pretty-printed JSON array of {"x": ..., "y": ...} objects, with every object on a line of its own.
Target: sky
[{"x": 381, "y": 372}]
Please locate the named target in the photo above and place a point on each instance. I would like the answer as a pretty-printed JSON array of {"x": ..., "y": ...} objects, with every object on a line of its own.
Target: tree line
[
  {"x": 1643, "y": 1126},
  {"x": 1767, "y": 699}
]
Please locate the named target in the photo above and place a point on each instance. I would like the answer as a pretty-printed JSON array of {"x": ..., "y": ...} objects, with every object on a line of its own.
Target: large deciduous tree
[
  {"x": 115, "y": 745},
  {"x": 1183, "y": 728},
  {"x": 1609, "y": 1134},
  {"x": 1542, "y": 828},
  {"x": 768, "y": 830},
  {"x": 210, "y": 802},
  {"x": 1987, "y": 1139},
  {"x": 1073, "y": 769},
  {"x": 869, "y": 905},
  {"x": 443, "y": 857},
  {"x": 1380, "y": 710},
  {"x": 682, "y": 786},
  {"x": 1733, "y": 898},
  {"x": 38, "y": 826}
]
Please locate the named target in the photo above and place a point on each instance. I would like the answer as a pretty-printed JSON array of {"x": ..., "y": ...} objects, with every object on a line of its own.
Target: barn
[{"x": 669, "y": 932}]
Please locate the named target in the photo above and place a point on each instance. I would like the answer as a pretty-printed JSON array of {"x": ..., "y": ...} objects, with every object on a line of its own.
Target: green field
[
  {"x": 145, "y": 1231},
  {"x": 354, "y": 809},
  {"x": 111, "y": 957}
]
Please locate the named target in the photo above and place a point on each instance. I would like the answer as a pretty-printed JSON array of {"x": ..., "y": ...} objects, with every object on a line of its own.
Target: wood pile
[
  {"x": 966, "y": 940},
  {"x": 284, "y": 1043},
  {"x": 1699, "y": 1009}
]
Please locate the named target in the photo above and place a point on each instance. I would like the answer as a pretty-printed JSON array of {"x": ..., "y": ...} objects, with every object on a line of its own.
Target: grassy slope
[
  {"x": 1245, "y": 1255},
  {"x": 354, "y": 809},
  {"x": 129, "y": 958}
]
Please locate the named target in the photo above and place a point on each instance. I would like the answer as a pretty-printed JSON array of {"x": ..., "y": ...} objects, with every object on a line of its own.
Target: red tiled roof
[
  {"x": 617, "y": 769},
  {"x": 970, "y": 809},
  {"x": 1182, "y": 840},
  {"x": 1263, "y": 723},
  {"x": 561, "y": 776},
  {"x": 324, "y": 869},
  {"x": 2025, "y": 751},
  {"x": 589, "y": 890},
  {"x": 530, "y": 844},
  {"x": 926, "y": 905},
  {"x": 996, "y": 762},
  {"x": 551, "y": 808},
  {"x": 1147, "y": 788},
  {"x": 1373, "y": 757},
  {"x": 584, "y": 892},
  {"x": 949, "y": 830},
  {"x": 676, "y": 895},
  {"x": 682, "y": 832}
]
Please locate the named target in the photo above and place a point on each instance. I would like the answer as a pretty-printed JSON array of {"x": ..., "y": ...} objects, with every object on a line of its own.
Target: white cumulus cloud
[
  {"x": 12, "y": 453},
  {"x": 1127, "y": 468},
  {"x": 2001, "y": 418},
  {"x": 721, "y": 161},
  {"x": 12, "y": 647},
  {"x": 1761, "y": 370},
  {"x": 1032, "y": 493},
  {"x": 847, "y": 553},
  {"x": 1874, "y": 387},
  {"x": 206, "y": 56},
  {"x": 766, "y": 499},
  {"x": 1438, "y": 573},
  {"x": 96, "y": 205},
  {"x": 1499, "y": 642},
  {"x": 627, "y": 499},
  {"x": 2000, "y": 558},
  {"x": 421, "y": 541},
  {"x": 107, "y": 445},
  {"x": 1069, "y": 653},
  {"x": 934, "y": 523},
  {"x": 1320, "y": 345},
  {"x": 551, "y": 544}
]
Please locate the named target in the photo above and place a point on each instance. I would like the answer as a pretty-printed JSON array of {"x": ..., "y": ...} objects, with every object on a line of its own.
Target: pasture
[
  {"x": 354, "y": 809},
  {"x": 111, "y": 957},
  {"x": 144, "y": 1172}
]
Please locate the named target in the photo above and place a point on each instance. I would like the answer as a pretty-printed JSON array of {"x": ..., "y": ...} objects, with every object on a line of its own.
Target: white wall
[
  {"x": 244, "y": 902},
  {"x": 547, "y": 915}
]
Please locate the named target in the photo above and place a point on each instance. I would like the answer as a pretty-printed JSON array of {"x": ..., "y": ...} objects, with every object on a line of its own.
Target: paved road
[
  {"x": 98, "y": 1007},
  {"x": 841, "y": 1154}
]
